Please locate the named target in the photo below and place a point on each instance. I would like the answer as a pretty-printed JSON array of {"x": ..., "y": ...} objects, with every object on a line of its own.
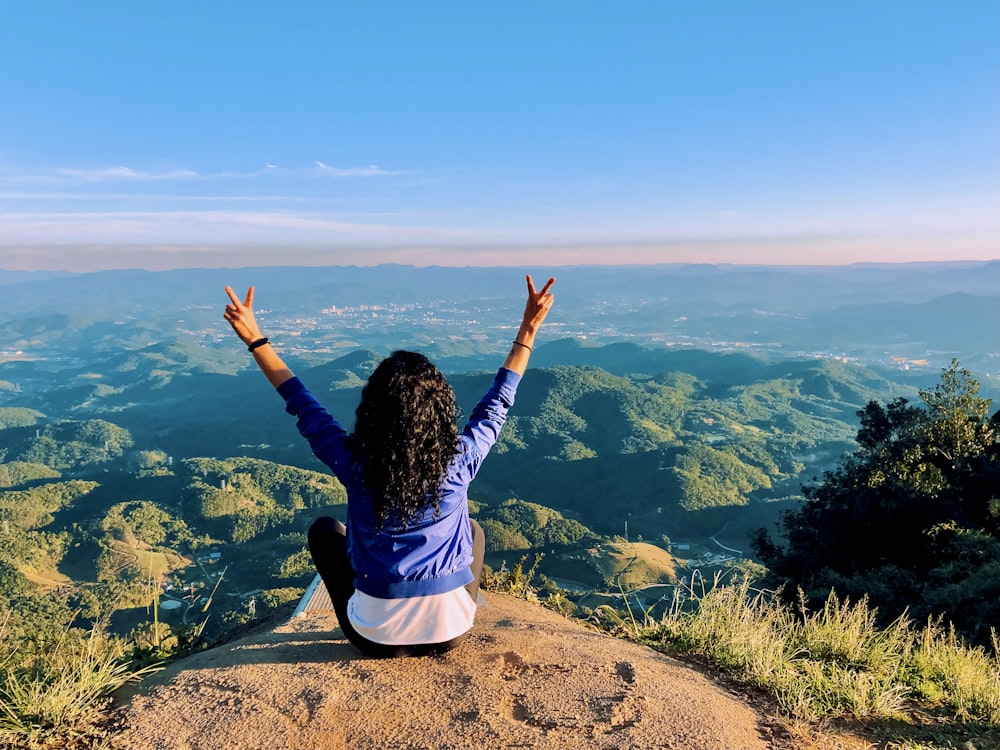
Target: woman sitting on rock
[{"x": 403, "y": 574}]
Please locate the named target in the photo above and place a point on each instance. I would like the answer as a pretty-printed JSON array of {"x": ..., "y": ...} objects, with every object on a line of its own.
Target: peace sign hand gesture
[
  {"x": 240, "y": 316},
  {"x": 537, "y": 307}
]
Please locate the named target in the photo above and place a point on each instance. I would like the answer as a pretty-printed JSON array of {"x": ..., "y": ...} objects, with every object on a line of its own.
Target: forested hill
[
  {"x": 157, "y": 465},
  {"x": 679, "y": 407},
  {"x": 665, "y": 447}
]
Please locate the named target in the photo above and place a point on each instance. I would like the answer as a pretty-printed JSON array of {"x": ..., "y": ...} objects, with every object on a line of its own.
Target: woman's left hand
[{"x": 240, "y": 316}]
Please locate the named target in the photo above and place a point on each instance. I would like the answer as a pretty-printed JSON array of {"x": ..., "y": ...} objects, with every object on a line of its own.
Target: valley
[{"x": 143, "y": 458}]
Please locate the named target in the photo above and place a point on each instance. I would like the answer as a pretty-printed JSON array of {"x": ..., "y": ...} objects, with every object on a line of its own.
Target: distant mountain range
[
  {"x": 900, "y": 316},
  {"x": 779, "y": 289}
]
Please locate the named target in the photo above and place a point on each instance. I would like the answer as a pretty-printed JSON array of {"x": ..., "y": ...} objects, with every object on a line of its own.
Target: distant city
[
  {"x": 902, "y": 318},
  {"x": 341, "y": 328}
]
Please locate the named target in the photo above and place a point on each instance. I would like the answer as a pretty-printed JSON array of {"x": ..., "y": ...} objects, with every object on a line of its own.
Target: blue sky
[{"x": 159, "y": 135}]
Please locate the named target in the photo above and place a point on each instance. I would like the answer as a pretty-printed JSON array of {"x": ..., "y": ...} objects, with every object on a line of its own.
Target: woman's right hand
[{"x": 537, "y": 307}]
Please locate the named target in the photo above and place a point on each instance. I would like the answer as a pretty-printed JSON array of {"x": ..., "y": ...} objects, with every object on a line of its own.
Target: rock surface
[{"x": 524, "y": 678}]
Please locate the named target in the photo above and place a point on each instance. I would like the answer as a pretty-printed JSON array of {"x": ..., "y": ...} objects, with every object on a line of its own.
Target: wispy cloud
[
  {"x": 369, "y": 171},
  {"x": 205, "y": 226},
  {"x": 260, "y": 250},
  {"x": 147, "y": 197},
  {"x": 114, "y": 174},
  {"x": 126, "y": 174}
]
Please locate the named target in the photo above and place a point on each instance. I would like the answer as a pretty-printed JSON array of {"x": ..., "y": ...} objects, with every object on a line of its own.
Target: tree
[
  {"x": 711, "y": 478},
  {"x": 144, "y": 521},
  {"x": 898, "y": 519},
  {"x": 500, "y": 537}
]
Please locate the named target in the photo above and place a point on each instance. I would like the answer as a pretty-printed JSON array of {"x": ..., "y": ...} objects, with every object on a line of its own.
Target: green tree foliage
[
  {"x": 966, "y": 583},
  {"x": 238, "y": 492},
  {"x": 71, "y": 444},
  {"x": 40, "y": 551},
  {"x": 17, "y": 416},
  {"x": 286, "y": 485},
  {"x": 16, "y": 473},
  {"x": 151, "y": 463},
  {"x": 145, "y": 522},
  {"x": 274, "y": 598},
  {"x": 247, "y": 524},
  {"x": 297, "y": 565},
  {"x": 666, "y": 445},
  {"x": 911, "y": 518},
  {"x": 123, "y": 578},
  {"x": 783, "y": 411},
  {"x": 517, "y": 524},
  {"x": 711, "y": 478},
  {"x": 501, "y": 537},
  {"x": 13, "y": 583},
  {"x": 573, "y": 413},
  {"x": 34, "y": 507},
  {"x": 250, "y": 496},
  {"x": 30, "y": 617}
]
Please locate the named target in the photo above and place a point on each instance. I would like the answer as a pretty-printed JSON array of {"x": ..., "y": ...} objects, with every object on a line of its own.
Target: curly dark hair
[{"x": 406, "y": 436}]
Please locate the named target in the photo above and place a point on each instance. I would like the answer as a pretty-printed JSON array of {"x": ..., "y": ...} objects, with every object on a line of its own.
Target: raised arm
[
  {"x": 535, "y": 310},
  {"x": 240, "y": 316}
]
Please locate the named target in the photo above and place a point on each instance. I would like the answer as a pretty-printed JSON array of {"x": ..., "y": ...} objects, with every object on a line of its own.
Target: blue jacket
[{"x": 432, "y": 555}]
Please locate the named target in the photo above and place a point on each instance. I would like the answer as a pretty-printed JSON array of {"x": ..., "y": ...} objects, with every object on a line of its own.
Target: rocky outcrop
[{"x": 524, "y": 678}]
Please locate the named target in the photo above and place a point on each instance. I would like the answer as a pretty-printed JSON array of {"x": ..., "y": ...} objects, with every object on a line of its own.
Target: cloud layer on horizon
[{"x": 788, "y": 251}]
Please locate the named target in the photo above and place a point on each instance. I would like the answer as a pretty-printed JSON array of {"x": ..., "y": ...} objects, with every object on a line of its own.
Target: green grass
[
  {"x": 55, "y": 691},
  {"x": 914, "y": 688},
  {"x": 834, "y": 664},
  {"x": 514, "y": 580}
]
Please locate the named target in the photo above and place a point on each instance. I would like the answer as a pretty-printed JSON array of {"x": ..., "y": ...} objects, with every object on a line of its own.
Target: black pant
[{"x": 328, "y": 547}]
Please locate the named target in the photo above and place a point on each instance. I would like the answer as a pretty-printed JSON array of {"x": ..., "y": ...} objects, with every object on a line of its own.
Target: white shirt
[{"x": 435, "y": 618}]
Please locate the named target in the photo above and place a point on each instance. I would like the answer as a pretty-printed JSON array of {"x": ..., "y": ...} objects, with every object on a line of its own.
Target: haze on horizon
[{"x": 135, "y": 136}]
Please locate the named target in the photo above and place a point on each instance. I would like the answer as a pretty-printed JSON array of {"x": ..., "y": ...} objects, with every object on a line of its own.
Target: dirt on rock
[{"x": 524, "y": 678}]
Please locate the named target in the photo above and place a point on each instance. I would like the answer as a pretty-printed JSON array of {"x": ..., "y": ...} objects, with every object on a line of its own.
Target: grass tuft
[
  {"x": 57, "y": 694},
  {"x": 515, "y": 581},
  {"x": 833, "y": 663},
  {"x": 964, "y": 679}
]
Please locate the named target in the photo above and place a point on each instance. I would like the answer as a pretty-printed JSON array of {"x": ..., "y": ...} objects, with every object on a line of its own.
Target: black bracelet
[
  {"x": 524, "y": 345},
  {"x": 258, "y": 343}
]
